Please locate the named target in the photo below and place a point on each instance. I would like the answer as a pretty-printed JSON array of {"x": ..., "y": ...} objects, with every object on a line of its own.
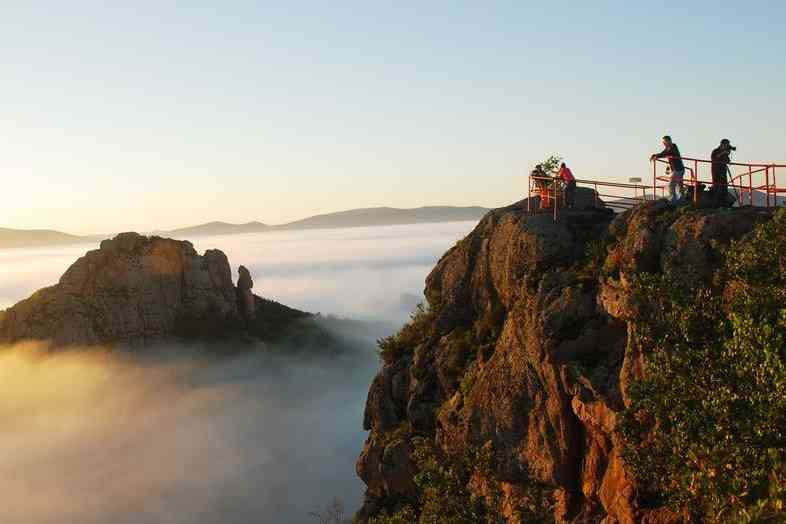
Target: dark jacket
[
  {"x": 672, "y": 152},
  {"x": 720, "y": 157}
]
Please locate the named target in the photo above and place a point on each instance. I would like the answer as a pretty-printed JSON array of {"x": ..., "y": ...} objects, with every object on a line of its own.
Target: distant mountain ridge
[
  {"x": 388, "y": 216},
  {"x": 374, "y": 216},
  {"x": 217, "y": 228},
  {"x": 28, "y": 237}
]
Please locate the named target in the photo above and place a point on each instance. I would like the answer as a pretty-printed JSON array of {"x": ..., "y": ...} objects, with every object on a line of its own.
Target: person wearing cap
[
  {"x": 570, "y": 184},
  {"x": 721, "y": 157},
  {"x": 672, "y": 153}
]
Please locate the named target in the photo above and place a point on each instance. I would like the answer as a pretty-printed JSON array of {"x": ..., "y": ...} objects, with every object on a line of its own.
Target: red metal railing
[
  {"x": 753, "y": 185},
  {"x": 551, "y": 191},
  {"x": 746, "y": 179}
]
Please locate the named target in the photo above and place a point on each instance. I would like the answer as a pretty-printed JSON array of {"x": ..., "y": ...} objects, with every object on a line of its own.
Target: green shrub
[
  {"x": 706, "y": 427},
  {"x": 444, "y": 494},
  {"x": 443, "y": 485},
  {"x": 414, "y": 332},
  {"x": 551, "y": 165},
  {"x": 406, "y": 515}
]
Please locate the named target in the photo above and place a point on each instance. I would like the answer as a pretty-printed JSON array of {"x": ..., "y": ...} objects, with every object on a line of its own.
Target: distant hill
[
  {"x": 217, "y": 228},
  {"x": 375, "y": 216},
  {"x": 35, "y": 237},
  {"x": 760, "y": 199},
  {"x": 388, "y": 216},
  {"x": 372, "y": 216}
]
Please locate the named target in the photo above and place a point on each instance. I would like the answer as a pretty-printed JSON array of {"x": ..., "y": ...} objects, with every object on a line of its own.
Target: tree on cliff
[
  {"x": 551, "y": 164},
  {"x": 706, "y": 429}
]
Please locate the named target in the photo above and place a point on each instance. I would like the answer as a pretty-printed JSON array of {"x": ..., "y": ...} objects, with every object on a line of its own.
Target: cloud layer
[
  {"x": 368, "y": 272},
  {"x": 177, "y": 435}
]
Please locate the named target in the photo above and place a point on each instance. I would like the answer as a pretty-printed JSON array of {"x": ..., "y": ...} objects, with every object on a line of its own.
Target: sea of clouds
[{"x": 179, "y": 435}]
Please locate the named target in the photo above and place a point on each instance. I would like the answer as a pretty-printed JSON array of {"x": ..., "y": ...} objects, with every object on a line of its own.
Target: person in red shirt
[{"x": 570, "y": 184}]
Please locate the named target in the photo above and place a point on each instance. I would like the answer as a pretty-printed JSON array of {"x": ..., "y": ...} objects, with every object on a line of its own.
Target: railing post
[
  {"x": 654, "y": 180},
  {"x": 750, "y": 185},
  {"x": 738, "y": 190},
  {"x": 696, "y": 182}
]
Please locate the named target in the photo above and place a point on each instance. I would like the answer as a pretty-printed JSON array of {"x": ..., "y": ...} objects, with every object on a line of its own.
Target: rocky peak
[
  {"x": 525, "y": 350},
  {"x": 135, "y": 289}
]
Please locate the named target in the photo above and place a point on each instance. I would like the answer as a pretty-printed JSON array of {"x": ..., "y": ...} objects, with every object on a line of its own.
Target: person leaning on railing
[
  {"x": 672, "y": 153},
  {"x": 570, "y": 184}
]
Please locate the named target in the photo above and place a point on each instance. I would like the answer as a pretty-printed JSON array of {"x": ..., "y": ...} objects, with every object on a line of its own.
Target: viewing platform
[{"x": 750, "y": 184}]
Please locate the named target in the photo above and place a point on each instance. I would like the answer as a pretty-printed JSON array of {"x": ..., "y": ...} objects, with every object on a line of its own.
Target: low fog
[
  {"x": 370, "y": 273},
  {"x": 177, "y": 436},
  {"x": 180, "y": 435}
]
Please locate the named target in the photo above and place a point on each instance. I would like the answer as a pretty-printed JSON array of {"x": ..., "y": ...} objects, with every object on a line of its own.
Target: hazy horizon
[
  {"x": 203, "y": 222},
  {"x": 306, "y": 269},
  {"x": 142, "y": 117}
]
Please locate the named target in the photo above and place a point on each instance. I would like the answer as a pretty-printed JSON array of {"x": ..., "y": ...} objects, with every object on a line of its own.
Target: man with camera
[{"x": 721, "y": 157}]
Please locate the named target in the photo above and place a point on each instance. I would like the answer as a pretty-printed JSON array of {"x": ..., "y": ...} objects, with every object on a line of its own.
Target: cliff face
[
  {"x": 137, "y": 290},
  {"x": 525, "y": 351}
]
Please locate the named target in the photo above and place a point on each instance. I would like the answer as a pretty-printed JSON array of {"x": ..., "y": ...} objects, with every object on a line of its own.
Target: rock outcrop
[
  {"x": 525, "y": 351},
  {"x": 138, "y": 290},
  {"x": 245, "y": 297}
]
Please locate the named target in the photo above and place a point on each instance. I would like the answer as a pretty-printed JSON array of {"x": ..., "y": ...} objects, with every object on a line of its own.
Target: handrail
[
  {"x": 551, "y": 193},
  {"x": 749, "y": 179},
  {"x": 741, "y": 180}
]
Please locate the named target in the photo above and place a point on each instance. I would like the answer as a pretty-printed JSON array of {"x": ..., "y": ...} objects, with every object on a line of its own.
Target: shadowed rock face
[
  {"x": 527, "y": 351},
  {"x": 137, "y": 290},
  {"x": 245, "y": 298}
]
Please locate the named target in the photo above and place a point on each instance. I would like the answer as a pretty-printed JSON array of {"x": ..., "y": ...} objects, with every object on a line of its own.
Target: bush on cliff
[
  {"x": 706, "y": 427},
  {"x": 405, "y": 340},
  {"x": 449, "y": 487}
]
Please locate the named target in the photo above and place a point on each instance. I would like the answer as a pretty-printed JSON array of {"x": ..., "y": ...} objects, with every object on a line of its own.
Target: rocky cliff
[
  {"x": 524, "y": 356},
  {"x": 139, "y": 290}
]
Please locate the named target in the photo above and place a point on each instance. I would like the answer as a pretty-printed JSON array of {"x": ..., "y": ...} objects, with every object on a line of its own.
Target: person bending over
[
  {"x": 672, "y": 153},
  {"x": 570, "y": 184}
]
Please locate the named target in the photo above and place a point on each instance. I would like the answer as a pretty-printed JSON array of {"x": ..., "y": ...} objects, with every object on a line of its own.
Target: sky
[{"x": 154, "y": 115}]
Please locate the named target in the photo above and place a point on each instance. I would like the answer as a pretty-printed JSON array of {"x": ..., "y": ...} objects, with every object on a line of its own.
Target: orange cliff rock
[{"x": 526, "y": 351}]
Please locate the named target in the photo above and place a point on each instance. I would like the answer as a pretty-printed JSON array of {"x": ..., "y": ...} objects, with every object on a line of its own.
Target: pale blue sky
[{"x": 158, "y": 115}]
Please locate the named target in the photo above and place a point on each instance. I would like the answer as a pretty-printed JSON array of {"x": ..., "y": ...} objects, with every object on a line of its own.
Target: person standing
[
  {"x": 542, "y": 183},
  {"x": 570, "y": 184},
  {"x": 672, "y": 153},
  {"x": 721, "y": 157}
]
